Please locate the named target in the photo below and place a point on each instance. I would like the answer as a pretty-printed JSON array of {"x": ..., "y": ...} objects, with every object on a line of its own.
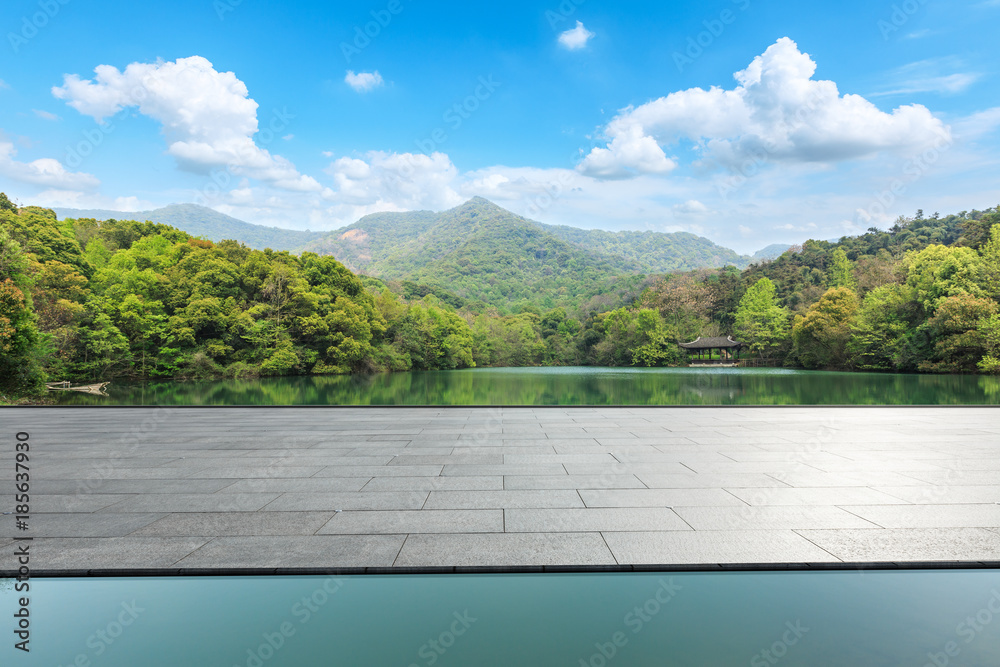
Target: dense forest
[{"x": 89, "y": 300}]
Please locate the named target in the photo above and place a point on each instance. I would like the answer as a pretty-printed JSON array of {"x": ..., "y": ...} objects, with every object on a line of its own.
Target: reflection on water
[
  {"x": 707, "y": 619},
  {"x": 568, "y": 386}
]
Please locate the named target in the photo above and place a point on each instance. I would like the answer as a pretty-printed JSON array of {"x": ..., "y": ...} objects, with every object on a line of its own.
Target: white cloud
[
  {"x": 394, "y": 181},
  {"x": 208, "y": 118},
  {"x": 3, "y": 84},
  {"x": 45, "y": 172},
  {"x": 45, "y": 115},
  {"x": 777, "y": 110},
  {"x": 929, "y": 76},
  {"x": 288, "y": 137},
  {"x": 575, "y": 38},
  {"x": 978, "y": 124},
  {"x": 691, "y": 207},
  {"x": 362, "y": 82}
]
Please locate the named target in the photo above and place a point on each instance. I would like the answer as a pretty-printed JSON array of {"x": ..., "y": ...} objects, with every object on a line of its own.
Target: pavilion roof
[{"x": 714, "y": 342}]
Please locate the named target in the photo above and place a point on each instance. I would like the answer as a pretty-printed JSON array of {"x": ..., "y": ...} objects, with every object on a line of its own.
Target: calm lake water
[
  {"x": 706, "y": 619},
  {"x": 568, "y": 386}
]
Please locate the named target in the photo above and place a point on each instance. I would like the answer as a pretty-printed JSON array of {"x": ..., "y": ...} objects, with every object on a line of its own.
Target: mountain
[
  {"x": 652, "y": 252},
  {"x": 773, "y": 251},
  {"x": 482, "y": 252},
  {"x": 201, "y": 221}
]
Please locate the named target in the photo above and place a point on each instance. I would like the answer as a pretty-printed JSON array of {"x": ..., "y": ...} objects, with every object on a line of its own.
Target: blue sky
[{"x": 745, "y": 121}]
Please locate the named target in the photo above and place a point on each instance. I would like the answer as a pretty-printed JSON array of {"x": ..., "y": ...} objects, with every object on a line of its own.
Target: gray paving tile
[
  {"x": 692, "y": 480},
  {"x": 698, "y": 547},
  {"x": 204, "y": 502},
  {"x": 769, "y": 518},
  {"x": 930, "y": 494},
  {"x": 487, "y": 471},
  {"x": 372, "y": 500},
  {"x": 929, "y": 516},
  {"x": 292, "y": 485},
  {"x": 908, "y": 544},
  {"x": 511, "y": 549},
  {"x": 80, "y": 525},
  {"x": 256, "y": 472},
  {"x": 297, "y": 551},
  {"x": 591, "y": 519},
  {"x": 657, "y": 497},
  {"x": 845, "y": 495},
  {"x": 381, "y": 471},
  {"x": 540, "y": 482},
  {"x": 858, "y": 478},
  {"x": 217, "y": 524},
  {"x": 84, "y": 502},
  {"x": 458, "y": 483},
  {"x": 414, "y": 521},
  {"x": 74, "y": 553},
  {"x": 129, "y": 486},
  {"x": 502, "y": 499}
]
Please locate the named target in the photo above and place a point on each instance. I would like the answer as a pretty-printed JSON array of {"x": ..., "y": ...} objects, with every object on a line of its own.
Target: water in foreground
[
  {"x": 568, "y": 386},
  {"x": 820, "y": 619}
]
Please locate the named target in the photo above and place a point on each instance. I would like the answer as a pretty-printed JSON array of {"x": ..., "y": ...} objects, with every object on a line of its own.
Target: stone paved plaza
[{"x": 415, "y": 487}]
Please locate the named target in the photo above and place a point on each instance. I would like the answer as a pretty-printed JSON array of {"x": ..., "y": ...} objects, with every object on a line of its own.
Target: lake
[
  {"x": 680, "y": 619},
  {"x": 567, "y": 386}
]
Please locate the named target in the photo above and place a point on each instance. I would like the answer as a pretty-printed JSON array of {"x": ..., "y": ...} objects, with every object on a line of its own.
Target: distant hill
[
  {"x": 653, "y": 252},
  {"x": 202, "y": 221},
  {"x": 482, "y": 252},
  {"x": 773, "y": 251}
]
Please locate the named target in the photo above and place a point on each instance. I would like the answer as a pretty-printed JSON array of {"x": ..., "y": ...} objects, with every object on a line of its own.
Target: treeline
[{"x": 89, "y": 301}]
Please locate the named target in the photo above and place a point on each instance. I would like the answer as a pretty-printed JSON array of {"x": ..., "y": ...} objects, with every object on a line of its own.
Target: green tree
[
  {"x": 938, "y": 272},
  {"x": 820, "y": 336},
  {"x": 760, "y": 321},
  {"x": 961, "y": 341},
  {"x": 878, "y": 335},
  {"x": 841, "y": 271},
  {"x": 20, "y": 341}
]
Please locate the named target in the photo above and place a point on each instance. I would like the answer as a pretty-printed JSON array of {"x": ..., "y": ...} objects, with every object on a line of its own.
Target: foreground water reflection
[
  {"x": 820, "y": 619},
  {"x": 568, "y": 386}
]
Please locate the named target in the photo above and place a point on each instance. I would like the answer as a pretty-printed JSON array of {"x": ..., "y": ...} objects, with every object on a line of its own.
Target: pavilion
[{"x": 729, "y": 350}]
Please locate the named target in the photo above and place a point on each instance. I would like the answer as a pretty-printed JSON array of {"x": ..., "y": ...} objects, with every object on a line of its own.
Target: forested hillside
[
  {"x": 206, "y": 223},
  {"x": 486, "y": 254},
  {"x": 91, "y": 301}
]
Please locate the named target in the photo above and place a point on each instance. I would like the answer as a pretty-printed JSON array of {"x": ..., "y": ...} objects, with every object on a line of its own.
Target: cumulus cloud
[
  {"x": 362, "y": 82},
  {"x": 777, "y": 110},
  {"x": 208, "y": 118},
  {"x": 395, "y": 181},
  {"x": 575, "y": 38},
  {"x": 45, "y": 172}
]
